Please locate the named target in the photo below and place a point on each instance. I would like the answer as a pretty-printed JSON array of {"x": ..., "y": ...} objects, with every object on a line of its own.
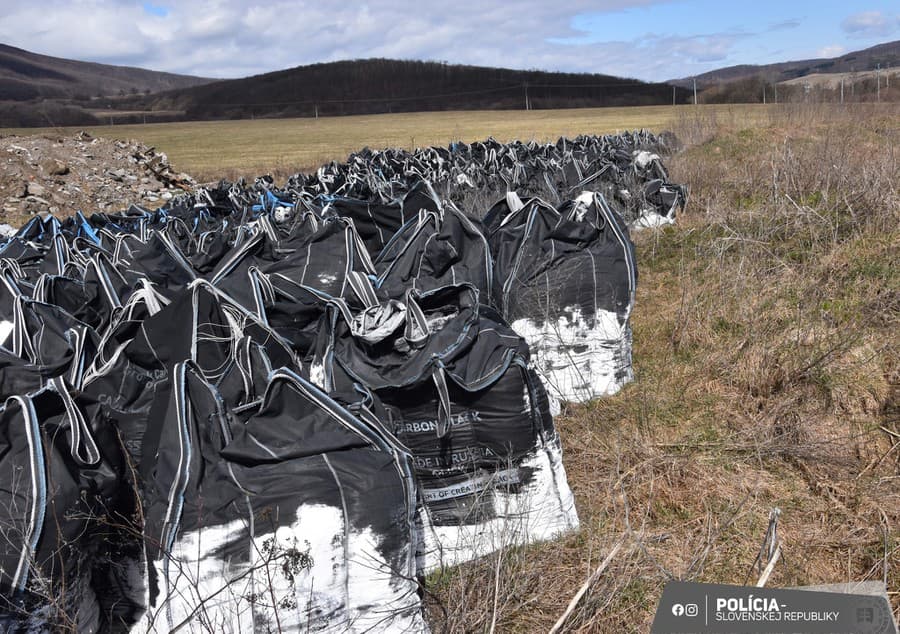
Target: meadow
[
  {"x": 210, "y": 150},
  {"x": 766, "y": 357}
]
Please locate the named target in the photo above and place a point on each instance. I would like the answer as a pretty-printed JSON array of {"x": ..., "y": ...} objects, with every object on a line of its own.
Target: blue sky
[
  {"x": 155, "y": 10},
  {"x": 758, "y": 32},
  {"x": 647, "y": 39}
]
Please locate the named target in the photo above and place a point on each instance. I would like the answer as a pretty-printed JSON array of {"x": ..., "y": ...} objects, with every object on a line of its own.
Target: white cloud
[
  {"x": 832, "y": 50},
  {"x": 231, "y": 38},
  {"x": 872, "y": 24}
]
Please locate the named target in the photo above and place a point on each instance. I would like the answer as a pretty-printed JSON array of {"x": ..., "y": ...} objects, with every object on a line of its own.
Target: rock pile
[{"x": 64, "y": 174}]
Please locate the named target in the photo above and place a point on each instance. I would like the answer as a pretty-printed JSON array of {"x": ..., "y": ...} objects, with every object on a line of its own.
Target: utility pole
[
  {"x": 764, "y": 93},
  {"x": 317, "y": 111},
  {"x": 527, "y": 105},
  {"x": 776, "y": 92},
  {"x": 673, "y": 95},
  {"x": 842, "y": 91},
  {"x": 878, "y": 82},
  {"x": 695, "y": 91}
]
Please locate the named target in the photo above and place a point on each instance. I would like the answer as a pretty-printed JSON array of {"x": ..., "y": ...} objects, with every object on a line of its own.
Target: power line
[
  {"x": 377, "y": 99},
  {"x": 610, "y": 85},
  {"x": 519, "y": 86}
]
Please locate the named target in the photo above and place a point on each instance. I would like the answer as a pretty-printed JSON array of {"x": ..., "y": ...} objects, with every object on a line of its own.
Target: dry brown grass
[
  {"x": 210, "y": 150},
  {"x": 766, "y": 366}
]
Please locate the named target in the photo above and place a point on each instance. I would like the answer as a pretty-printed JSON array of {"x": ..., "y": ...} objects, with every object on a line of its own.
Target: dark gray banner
[{"x": 698, "y": 608}]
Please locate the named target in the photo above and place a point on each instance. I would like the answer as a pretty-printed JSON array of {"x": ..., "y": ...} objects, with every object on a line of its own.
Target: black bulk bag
[
  {"x": 53, "y": 501},
  {"x": 475, "y": 418},
  {"x": 319, "y": 253},
  {"x": 567, "y": 280},
  {"x": 434, "y": 249},
  {"x": 286, "y": 514},
  {"x": 375, "y": 222}
]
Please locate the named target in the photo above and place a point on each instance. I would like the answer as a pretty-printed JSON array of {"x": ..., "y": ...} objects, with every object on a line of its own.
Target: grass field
[
  {"x": 767, "y": 375},
  {"x": 766, "y": 356},
  {"x": 214, "y": 149}
]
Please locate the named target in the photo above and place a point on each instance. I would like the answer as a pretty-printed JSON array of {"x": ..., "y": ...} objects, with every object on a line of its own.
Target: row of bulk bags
[
  {"x": 583, "y": 346},
  {"x": 623, "y": 167},
  {"x": 437, "y": 245},
  {"x": 126, "y": 520},
  {"x": 473, "y": 414}
]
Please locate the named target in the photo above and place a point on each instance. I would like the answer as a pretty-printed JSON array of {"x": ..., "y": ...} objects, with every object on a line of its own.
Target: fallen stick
[
  {"x": 587, "y": 584},
  {"x": 768, "y": 571}
]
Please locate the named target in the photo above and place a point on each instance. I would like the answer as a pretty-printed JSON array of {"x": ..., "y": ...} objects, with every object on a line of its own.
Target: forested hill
[
  {"x": 38, "y": 90},
  {"x": 384, "y": 85}
]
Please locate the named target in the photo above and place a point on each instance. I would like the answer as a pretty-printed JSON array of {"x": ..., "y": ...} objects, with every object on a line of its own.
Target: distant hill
[
  {"x": 887, "y": 55},
  {"x": 37, "y": 90},
  {"x": 25, "y": 75},
  {"x": 383, "y": 85}
]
